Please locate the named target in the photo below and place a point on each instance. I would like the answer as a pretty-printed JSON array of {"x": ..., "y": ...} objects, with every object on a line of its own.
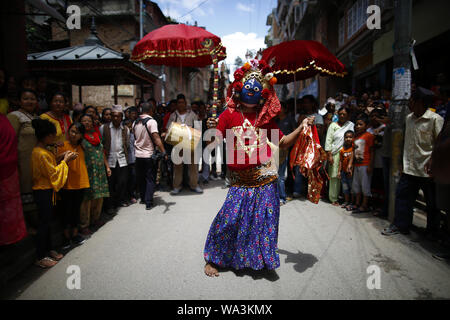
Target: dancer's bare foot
[{"x": 211, "y": 270}]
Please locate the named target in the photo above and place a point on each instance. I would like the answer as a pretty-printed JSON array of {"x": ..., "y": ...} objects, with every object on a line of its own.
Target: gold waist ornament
[{"x": 254, "y": 177}]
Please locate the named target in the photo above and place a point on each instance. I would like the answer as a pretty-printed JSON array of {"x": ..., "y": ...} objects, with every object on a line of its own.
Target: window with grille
[
  {"x": 381, "y": 3},
  {"x": 357, "y": 17},
  {"x": 342, "y": 31}
]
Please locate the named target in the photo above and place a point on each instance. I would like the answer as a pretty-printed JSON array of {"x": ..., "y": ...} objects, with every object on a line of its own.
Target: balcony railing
[{"x": 282, "y": 10}]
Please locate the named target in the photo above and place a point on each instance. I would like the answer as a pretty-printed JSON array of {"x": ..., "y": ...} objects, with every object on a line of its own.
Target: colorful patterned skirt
[{"x": 244, "y": 234}]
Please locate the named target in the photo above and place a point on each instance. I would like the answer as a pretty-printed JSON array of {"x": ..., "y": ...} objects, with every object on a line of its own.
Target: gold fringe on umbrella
[
  {"x": 314, "y": 66},
  {"x": 177, "y": 53}
]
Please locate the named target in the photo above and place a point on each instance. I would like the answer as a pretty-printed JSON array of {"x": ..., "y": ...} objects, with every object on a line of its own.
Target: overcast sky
[{"x": 241, "y": 24}]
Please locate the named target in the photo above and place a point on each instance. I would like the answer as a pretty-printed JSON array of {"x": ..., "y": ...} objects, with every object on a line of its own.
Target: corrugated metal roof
[
  {"x": 92, "y": 63},
  {"x": 77, "y": 53}
]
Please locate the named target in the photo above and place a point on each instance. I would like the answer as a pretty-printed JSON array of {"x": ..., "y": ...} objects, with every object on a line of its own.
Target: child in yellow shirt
[
  {"x": 48, "y": 178},
  {"x": 73, "y": 191}
]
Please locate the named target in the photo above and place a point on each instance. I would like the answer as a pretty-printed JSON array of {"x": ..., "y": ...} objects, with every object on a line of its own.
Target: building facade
[
  {"x": 118, "y": 27},
  {"x": 341, "y": 26}
]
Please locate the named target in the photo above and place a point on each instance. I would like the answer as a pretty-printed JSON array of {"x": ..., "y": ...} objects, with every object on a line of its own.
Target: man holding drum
[{"x": 186, "y": 117}]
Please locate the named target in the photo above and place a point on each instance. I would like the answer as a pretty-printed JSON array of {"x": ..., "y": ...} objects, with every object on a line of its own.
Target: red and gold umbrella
[
  {"x": 302, "y": 59},
  {"x": 180, "y": 45}
]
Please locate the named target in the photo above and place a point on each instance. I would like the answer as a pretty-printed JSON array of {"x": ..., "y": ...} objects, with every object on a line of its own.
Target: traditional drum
[{"x": 180, "y": 133}]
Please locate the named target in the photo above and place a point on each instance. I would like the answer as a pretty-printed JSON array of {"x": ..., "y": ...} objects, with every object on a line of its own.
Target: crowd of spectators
[
  {"x": 85, "y": 163},
  {"x": 356, "y": 133}
]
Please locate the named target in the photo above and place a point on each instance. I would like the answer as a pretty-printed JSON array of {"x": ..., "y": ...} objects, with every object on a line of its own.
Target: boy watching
[{"x": 363, "y": 163}]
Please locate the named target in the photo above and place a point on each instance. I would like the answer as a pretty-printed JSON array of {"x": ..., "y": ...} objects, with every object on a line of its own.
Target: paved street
[{"x": 324, "y": 254}]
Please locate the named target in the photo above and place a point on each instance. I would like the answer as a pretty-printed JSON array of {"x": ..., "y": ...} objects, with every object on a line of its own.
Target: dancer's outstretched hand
[
  {"x": 211, "y": 123},
  {"x": 308, "y": 121}
]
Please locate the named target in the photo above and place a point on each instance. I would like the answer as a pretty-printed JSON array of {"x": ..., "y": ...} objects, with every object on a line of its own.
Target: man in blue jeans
[
  {"x": 145, "y": 130},
  {"x": 286, "y": 123},
  {"x": 422, "y": 129}
]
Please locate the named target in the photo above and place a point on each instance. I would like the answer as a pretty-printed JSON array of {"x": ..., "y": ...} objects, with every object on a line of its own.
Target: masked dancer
[{"x": 244, "y": 233}]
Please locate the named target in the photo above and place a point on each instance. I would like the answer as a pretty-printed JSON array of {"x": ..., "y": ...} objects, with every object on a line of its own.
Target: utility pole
[
  {"x": 141, "y": 34},
  {"x": 141, "y": 25},
  {"x": 401, "y": 92}
]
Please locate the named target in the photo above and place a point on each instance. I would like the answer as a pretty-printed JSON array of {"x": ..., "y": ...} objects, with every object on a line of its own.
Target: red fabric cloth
[
  {"x": 309, "y": 156},
  {"x": 8, "y": 148},
  {"x": 229, "y": 119},
  {"x": 315, "y": 135},
  {"x": 165, "y": 120},
  {"x": 12, "y": 224},
  {"x": 310, "y": 55},
  {"x": 177, "y": 45}
]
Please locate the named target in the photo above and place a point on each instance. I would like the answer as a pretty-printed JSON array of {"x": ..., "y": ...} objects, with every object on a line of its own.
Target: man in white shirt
[
  {"x": 115, "y": 138},
  {"x": 422, "y": 129},
  {"x": 187, "y": 117}
]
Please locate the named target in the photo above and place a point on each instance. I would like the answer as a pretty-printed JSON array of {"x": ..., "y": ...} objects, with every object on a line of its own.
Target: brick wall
[
  {"x": 117, "y": 35},
  {"x": 100, "y": 96}
]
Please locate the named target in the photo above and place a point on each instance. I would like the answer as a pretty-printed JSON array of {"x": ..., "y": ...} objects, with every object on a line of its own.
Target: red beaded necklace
[{"x": 94, "y": 140}]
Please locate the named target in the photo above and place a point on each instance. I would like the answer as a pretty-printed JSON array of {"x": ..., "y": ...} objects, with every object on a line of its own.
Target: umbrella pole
[
  {"x": 216, "y": 83},
  {"x": 181, "y": 78},
  {"x": 295, "y": 95}
]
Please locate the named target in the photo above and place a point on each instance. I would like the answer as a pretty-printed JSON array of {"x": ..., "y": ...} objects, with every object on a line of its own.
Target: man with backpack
[{"x": 145, "y": 130}]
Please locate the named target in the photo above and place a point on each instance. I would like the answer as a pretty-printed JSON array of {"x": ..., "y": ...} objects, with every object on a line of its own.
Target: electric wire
[{"x": 198, "y": 6}]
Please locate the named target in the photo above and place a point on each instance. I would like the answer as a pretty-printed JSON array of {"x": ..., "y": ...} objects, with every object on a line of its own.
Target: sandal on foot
[
  {"x": 379, "y": 213},
  {"x": 344, "y": 205},
  {"x": 361, "y": 210},
  {"x": 351, "y": 207},
  {"x": 46, "y": 262},
  {"x": 55, "y": 255}
]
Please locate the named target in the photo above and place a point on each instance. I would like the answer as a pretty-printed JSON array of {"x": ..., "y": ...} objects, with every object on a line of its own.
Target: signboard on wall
[
  {"x": 402, "y": 84},
  {"x": 124, "y": 90}
]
